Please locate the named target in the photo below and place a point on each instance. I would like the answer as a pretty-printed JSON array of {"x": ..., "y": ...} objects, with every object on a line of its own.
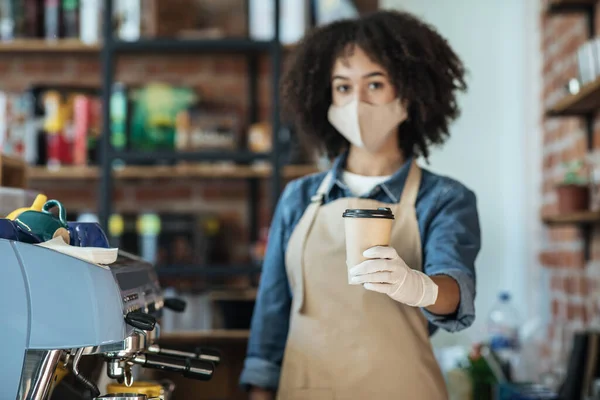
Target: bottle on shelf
[{"x": 503, "y": 332}]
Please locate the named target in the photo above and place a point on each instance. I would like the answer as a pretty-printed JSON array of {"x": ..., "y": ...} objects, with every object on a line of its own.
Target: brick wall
[{"x": 571, "y": 278}]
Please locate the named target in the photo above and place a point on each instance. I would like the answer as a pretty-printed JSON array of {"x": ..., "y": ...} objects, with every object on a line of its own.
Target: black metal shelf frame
[
  {"x": 144, "y": 156},
  {"x": 185, "y": 45},
  {"x": 112, "y": 48}
]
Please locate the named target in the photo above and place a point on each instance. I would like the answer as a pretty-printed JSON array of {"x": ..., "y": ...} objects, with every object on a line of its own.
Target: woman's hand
[
  {"x": 257, "y": 393},
  {"x": 386, "y": 272}
]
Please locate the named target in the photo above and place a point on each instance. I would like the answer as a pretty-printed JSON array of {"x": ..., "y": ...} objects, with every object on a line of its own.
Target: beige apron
[{"x": 346, "y": 342}]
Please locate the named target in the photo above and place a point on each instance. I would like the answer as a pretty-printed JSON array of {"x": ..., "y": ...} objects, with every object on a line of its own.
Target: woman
[{"x": 375, "y": 94}]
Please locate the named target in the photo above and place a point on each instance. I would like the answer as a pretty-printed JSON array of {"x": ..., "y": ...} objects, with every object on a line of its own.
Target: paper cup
[{"x": 366, "y": 228}]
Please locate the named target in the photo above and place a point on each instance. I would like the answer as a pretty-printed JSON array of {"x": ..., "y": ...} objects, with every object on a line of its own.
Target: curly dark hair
[{"x": 424, "y": 69}]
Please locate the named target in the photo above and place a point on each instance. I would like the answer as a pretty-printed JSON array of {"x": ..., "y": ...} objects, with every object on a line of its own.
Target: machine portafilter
[
  {"x": 199, "y": 353},
  {"x": 139, "y": 350}
]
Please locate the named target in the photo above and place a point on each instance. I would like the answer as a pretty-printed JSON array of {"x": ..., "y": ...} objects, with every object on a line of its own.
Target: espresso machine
[{"x": 59, "y": 313}]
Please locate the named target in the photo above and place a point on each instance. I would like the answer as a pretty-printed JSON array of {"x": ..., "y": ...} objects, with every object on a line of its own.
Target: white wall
[{"x": 494, "y": 147}]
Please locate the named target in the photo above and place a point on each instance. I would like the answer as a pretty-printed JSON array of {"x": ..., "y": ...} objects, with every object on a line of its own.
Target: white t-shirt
[{"x": 359, "y": 184}]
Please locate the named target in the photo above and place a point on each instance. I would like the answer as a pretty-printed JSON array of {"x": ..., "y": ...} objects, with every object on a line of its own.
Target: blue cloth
[{"x": 450, "y": 236}]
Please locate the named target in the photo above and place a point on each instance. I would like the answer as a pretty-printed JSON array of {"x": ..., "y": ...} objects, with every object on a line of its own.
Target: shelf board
[
  {"x": 583, "y": 218},
  {"x": 192, "y": 45},
  {"x": 72, "y": 173},
  {"x": 133, "y": 157},
  {"x": 567, "y": 6},
  {"x": 47, "y": 46},
  {"x": 233, "y": 295},
  {"x": 222, "y": 334},
  {"x": 584, "y": 102},
  {"x": 572, "y": 2},
  {"x": 190, "y": 271},
  {"x": 241, "y": 45}
]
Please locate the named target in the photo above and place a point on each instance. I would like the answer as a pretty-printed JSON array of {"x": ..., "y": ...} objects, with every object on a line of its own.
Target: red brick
[
  {"x": 265, "y": 67},
  {"x": 223, "y": 190},
  {"x": 550, "y": 332},
  {"x": 570, "y": 72},
  {"x": 570, "y": 283},
  {"x": 548, "y": 186},
  {"x": 584, "y": 286},
  {"x": 567, "y": 259},
  {"x": 575, "y": 312},
  {"x": 177, "y": 65},
  {"x": 571, "y": 47},
  {"x": 555, "y": 309},
  {"x": 163, "y": 193},
  {"x": 556, "y": 283},
  {"x": 87, "y": 67},
  {"x": 5, "y": 64},
  {"x": 581, "y": 146},
  {"x": 550, "y": 209},
  {"x": 564, "y": 234},
  {"x": 596, "y": 139},
  {"x": 35, "y": 65},
  {"x": 595, "y": 245},
  {"x": 230, "y": 65}
]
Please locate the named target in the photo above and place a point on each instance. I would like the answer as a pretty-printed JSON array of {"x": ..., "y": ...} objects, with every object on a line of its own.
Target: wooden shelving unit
[
  {"x": 213, "y": 334},
  {"x": 13, "y": 172},
  {"x": 573, "y": 2},
  {"x": 76, "y": 46},
  {"x": 584, "y": 102},
  {"x": 233, "y": 295},
  {"x": 208, "y": 171},
  {"x": 47, "y": 46},
  {"x": 582, "y": 218}
]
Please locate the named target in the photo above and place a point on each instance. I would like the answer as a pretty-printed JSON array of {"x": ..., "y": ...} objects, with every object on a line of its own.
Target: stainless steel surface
[
  {"x": 115, "y": 369},
  {"x": 141, "y": 359},
  {"x": 128, "y": 380},
  {"x": 38, "y": 371},
  {"x": 131, "y": 345},
  {"x": 76, "y": 359},
  {"x": 156, "y": 349},
  {"x": 119, "y": 355},
  {"x": 123, "y": 396}
]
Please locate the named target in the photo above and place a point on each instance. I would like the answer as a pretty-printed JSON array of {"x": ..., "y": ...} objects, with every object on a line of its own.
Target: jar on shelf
[{"x": 573, "y": 192}]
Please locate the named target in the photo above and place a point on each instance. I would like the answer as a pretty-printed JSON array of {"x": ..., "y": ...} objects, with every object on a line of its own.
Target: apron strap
[
  {"x": 310, "y": 214},
  {"x": 411, "y": 187},
  {"x": 319, "y": 196}
]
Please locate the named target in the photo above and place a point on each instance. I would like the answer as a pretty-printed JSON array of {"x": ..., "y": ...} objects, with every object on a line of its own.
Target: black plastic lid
[{"x": 383, "y": 212}]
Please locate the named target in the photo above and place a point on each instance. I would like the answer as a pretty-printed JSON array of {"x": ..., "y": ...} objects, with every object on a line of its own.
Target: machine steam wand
[{"x": 82, "y": 379}]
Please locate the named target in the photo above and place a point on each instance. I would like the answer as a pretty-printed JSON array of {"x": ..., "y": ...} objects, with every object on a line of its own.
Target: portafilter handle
[
  {"x": 193, "y": 369},
  {"x": 175, "y": 304},
  {"x": 140, "y": 320},
  {"x": 200, "y": 353}
]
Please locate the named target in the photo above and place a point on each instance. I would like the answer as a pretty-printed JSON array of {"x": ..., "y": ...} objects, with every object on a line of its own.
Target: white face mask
[{"x": 367, "y": 125}]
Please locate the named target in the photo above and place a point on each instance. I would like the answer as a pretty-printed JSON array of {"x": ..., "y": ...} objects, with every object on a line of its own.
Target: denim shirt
[{"x": 450, "y": 236}]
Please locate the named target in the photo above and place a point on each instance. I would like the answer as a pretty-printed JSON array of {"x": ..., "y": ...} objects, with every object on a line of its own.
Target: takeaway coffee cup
[{"x": 366, "y": 228}]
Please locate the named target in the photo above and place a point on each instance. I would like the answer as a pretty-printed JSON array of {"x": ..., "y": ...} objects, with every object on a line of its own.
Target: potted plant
[{"x": 573, "y": 192}]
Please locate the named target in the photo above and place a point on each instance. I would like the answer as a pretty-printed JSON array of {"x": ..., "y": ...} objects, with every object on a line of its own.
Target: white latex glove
[{"x": 386, "y": 272}]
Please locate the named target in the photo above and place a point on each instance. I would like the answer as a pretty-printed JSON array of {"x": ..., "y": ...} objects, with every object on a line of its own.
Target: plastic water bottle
[{"x": 503, "y": 331}]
